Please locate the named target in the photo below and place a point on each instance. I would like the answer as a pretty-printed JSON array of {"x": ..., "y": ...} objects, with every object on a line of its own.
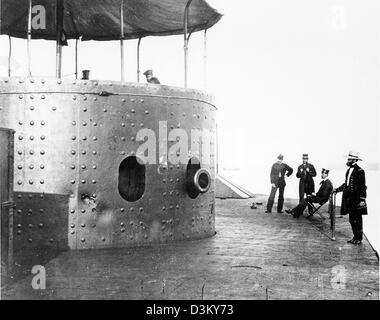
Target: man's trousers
[
  {"x": 272, "y": 195},
  {"x": 356, "y": 221}
]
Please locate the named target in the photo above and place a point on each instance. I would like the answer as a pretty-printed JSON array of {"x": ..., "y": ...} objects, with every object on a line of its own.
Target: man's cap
[
  {"x": 280, "y": 157},
  {"x": 325, "y": 171},
  {"x": 148, "y": 72},
  {"x": 305, "y": 156},
  {"x": 353, "y": 155}
]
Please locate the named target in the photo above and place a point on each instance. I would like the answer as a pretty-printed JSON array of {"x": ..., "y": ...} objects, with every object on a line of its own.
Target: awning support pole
[
  {"x": 9, "y": 56},
  {"x": 205, "y": 59},
  {"x": 138, "y": 60},
  {"x": 122, "y": 40},
  {"x": 186, "y": 39},
  {"x": 76, "y": 58},
  {"x": 29, "y": 39},
  {"x": 59, "y": 29}
]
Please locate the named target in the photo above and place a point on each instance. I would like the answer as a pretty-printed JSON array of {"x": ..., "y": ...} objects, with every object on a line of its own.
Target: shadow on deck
[{"x": 253, "y": 256}]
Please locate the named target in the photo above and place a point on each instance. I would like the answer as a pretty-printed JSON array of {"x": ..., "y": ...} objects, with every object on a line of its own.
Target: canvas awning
[{"x": 100, "y": 19}]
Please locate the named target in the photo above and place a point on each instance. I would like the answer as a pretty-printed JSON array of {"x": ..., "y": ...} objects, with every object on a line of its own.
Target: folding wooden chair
[
  {"x": 331, "y": 210},
  {"x": 315, "y": 209}
]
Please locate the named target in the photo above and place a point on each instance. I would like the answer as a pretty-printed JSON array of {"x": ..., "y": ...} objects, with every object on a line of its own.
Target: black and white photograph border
[{"x": 189, "y": 150}]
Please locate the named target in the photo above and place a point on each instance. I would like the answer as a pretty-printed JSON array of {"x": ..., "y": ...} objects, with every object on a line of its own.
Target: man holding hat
[
  {"x": 306, "y": 172},
  {"x": 149, "y": 77},
  {"x": 320, "y": 197},
  {"x": 277, "y": 179},
  {"x": 354, "y": 196}
]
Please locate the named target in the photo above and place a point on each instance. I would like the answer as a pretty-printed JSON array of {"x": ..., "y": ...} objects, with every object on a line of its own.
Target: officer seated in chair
[{"x": 321, "y": 197}]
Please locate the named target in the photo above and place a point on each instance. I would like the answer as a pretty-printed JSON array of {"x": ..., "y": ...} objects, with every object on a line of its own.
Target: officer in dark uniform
[
  {"x": 306, "y": 172},
  {"x": 149, "y": 77},
  {"x": 320, "y": 197},
  {"x": 277, "y": 179},
  {"x": 354, "y": 197}
]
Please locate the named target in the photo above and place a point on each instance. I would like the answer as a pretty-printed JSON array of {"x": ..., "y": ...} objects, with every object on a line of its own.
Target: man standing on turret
[
  {"x": 277, "y": 179},
  {"x": 306, "y": 172}
]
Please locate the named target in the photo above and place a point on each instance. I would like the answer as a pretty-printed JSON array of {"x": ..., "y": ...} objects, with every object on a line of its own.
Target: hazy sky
[{"x": 289, "y": 76}]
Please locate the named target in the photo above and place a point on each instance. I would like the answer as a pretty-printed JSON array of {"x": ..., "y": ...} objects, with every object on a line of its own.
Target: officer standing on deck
[
  {"x": 354, "y": 196},
  {"x": 277, "y": 179},
  {"x": 306, "y": 172}
]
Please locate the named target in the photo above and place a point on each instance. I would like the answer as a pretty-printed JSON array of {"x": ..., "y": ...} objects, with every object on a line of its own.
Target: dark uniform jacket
[
  {"x": 306, "y": 177},
  {"x": 154, "y": 80},
  {"x": 354, "y": 192},
  {"x": 277, "y": 174},
  {"x": 324, "y": 192}
]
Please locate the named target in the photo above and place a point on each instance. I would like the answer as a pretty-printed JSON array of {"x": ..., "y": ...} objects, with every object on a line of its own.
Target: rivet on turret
[
  {"x": 42, "y": 152},
  {"x": 42, "y": 166}
]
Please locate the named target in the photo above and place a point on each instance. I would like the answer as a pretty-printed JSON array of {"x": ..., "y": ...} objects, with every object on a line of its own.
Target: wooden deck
[{"x": 253, "y": 256}]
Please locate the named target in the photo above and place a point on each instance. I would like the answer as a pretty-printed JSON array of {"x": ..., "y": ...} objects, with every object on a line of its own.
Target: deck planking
[{"x": 254, "y": 255}]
